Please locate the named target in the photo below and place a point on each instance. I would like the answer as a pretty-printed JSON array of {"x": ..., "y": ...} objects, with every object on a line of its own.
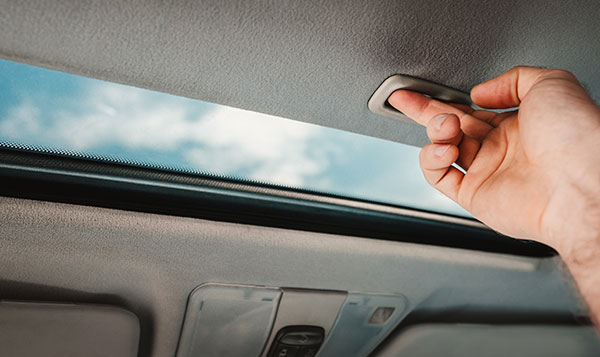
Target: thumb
[{"x": 508, "y": 89}]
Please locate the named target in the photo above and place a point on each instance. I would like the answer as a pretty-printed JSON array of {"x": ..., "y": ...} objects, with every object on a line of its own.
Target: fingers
[
  {"x": 468, "y": 149},
  {"x": 492, "y": 118},
  {"x": 508, "y": 89},
  {"x": 445, "y": 129},
  {"x": 462, "y": 107},
  {"x": 484, "y": 115},
  {"x": 436, "y": 161},
  {"x": 421, "y": 109},
  {"x": 450, "y": 145}
]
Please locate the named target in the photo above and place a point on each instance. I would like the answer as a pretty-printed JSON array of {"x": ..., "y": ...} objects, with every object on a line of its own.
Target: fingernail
[
  {"x": 440, "y": 150},
  {"x": 438, "y": 120}
]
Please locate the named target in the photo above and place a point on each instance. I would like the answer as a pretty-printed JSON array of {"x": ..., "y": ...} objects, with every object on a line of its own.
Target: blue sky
[{"x": 63, "y": 111}]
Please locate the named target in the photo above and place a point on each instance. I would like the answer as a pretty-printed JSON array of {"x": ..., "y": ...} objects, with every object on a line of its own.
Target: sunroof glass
[{"x": 48, "y": 109}]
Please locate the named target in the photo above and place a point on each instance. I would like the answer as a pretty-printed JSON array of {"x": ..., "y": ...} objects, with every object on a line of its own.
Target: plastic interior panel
[
  {"x": 354, "y": 334},
  {"x": 48, "y": 329},
  {"x": 462, "y": 340},
  {"x": 309, "y": 308},
  {"x": 228, "y": 320},
  {"x": 378, "y": 103}
]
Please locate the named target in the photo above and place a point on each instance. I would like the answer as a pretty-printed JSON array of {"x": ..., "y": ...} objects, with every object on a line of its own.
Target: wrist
[
  {"x": 574, "y": 225},
  {"x": 580, "y": 233},
  {"x": 579, "y": 229},
  {"x": 582, "y": 251},
  {"x": 582, "y": 259}
]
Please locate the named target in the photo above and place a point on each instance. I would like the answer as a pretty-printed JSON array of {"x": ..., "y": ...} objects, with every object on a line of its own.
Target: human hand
[{"x": 530, "y": 173}]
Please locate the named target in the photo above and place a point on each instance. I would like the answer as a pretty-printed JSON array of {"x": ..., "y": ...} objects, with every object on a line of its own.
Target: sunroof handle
[{"x": 378, "y": 103}]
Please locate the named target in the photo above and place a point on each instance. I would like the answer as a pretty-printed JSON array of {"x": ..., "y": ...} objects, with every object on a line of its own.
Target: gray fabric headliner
[
  {"x": 151, "y": 263},
  {"x": 460, "y": 340},
  {"x": 312, "y": 61}
]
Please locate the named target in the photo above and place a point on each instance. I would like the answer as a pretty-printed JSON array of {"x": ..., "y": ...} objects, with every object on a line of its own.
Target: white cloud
[
  {"x": 20, "y": 121},
  {"x": 115, "y": 115},
  {"x": 272, "y": 149},
  {"x": 223, "y": 140}
]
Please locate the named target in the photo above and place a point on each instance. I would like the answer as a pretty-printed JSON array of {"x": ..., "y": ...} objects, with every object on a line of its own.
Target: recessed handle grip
[{"x": 378, "y": 103}]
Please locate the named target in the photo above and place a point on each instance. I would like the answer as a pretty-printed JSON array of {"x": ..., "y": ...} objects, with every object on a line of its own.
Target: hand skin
[{"x": 531, "y": 173}]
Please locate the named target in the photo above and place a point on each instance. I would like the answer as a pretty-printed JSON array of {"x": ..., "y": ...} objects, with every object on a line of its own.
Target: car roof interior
[{"x": 104, "y": 259}]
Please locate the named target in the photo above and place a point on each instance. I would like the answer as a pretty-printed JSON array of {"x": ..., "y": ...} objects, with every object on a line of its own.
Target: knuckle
[
  {"x": 519, "y": 68},
  {"x": 427, "y": 107},
  {"x": 424, "y": 153},
  {"x": 561, "y": 73}
]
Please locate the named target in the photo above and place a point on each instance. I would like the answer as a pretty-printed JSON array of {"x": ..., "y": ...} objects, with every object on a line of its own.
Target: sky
[{"x": 44, "y": 108}]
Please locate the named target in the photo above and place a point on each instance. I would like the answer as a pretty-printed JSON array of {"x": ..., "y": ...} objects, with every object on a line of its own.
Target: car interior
[{"x": 116, "y": 242}]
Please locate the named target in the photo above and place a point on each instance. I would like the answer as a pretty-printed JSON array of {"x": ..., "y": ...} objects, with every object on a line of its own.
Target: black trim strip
[{"x": 80, "y": 181}]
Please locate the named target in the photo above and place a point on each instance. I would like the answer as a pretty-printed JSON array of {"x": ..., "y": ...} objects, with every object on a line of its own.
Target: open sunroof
[{"x": 62, "y": 113}]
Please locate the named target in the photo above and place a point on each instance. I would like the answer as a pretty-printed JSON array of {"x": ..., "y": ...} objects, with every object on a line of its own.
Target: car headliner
[{"x": 311, "y": 61}]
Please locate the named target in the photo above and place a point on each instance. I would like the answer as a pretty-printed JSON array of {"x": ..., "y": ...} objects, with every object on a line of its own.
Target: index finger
[{"x": 421, "y": 109}]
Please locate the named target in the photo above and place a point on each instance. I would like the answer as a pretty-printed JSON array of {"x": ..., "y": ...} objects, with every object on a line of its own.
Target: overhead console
[{"x": 242, "y": 320}]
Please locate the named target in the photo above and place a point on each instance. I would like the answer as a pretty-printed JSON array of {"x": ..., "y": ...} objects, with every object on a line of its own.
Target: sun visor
[{"x": 52, "y": 329}]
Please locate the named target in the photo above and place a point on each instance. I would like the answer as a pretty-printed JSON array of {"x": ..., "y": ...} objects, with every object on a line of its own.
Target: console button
[
  {"x": 286, "y": 351},
  {"x": 302, "y": 338},
  {"x": 297, "y": 341}
]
